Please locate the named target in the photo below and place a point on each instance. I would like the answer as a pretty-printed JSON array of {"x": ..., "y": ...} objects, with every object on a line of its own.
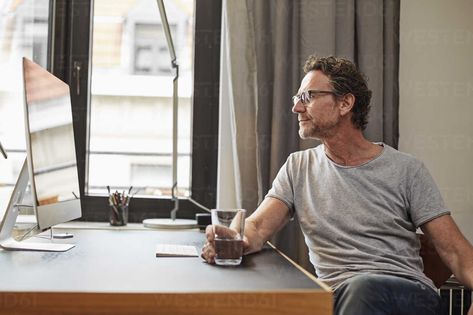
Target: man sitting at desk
[{"x": 358, "y": 203}]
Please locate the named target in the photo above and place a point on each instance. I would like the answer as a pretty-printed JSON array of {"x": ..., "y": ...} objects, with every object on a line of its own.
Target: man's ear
[{"x": 347, "y": 102}]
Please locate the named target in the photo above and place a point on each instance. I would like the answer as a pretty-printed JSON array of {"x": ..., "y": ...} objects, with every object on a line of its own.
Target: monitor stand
[
  {"x": 11, "y": 244},
  {"x": 7, "y": 242}
]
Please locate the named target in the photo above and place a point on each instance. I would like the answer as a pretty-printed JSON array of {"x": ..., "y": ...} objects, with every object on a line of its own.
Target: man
[{"x": 358, "y": 203}]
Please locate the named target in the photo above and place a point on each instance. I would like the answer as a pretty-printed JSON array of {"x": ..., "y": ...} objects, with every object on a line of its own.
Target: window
[
  {"x": 23, "y": 32},
  {"x": 131, "y": 97},
  {"x": 151, "y": 54},
  {"x": 121, "y": 80}
]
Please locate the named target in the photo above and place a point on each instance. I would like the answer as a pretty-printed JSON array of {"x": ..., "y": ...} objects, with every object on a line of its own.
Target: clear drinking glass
[{"x": 229, "y": 227}]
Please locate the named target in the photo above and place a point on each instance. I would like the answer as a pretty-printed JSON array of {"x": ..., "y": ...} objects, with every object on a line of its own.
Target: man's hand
[
  {"x": 208, "y": 251},
  {"x": 271, "y": 215},
  {"x": 470, "y": 312}
]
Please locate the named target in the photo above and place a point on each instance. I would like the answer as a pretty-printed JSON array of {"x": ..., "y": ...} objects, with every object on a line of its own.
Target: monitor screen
[{"x": 51, "y": 154}]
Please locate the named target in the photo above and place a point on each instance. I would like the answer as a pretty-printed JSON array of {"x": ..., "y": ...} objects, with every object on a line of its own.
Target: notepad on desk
[{"x": 173, "y": 250}]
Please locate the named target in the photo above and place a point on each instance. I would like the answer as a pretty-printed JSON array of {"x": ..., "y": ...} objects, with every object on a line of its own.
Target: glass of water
[{"x": 229, "y": 225}]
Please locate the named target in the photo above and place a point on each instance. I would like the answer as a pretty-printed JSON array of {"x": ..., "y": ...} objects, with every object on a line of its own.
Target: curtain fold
[
  {"x": 239, "y": 40},
  {"x": 267, "y": 43}
]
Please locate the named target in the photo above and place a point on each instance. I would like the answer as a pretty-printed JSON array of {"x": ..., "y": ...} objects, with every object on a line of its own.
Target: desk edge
[{"x": 308, "y": 274}]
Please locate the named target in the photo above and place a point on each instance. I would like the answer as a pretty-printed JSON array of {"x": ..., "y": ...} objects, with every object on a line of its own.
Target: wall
[{"x": 436, "y": 90}]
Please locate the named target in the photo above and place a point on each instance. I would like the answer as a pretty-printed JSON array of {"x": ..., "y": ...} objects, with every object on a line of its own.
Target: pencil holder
[{"x": 118, "y": 215}]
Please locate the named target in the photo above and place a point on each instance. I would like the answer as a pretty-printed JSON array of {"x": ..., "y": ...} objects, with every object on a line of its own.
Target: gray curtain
[{"x": 266, "y": 44}]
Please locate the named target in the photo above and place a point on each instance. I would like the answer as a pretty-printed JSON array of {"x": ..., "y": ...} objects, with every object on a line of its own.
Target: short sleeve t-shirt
[{"x": 360, "y": 219}]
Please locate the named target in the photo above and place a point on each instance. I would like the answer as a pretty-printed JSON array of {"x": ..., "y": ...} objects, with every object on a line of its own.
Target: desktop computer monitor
[
  {"x": 51, "y": 164},
  {"x": 51, "y": 154}
]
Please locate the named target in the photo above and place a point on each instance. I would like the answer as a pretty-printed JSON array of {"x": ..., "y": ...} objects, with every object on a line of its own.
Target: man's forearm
[
  {"x": 269, "y": 218},
  {"x": 459, "y": 257},
  {"x": 466, "y": 278},
  {"x": 454, "y": 249},
  {"x": 462, "y": 265},
  {"x": 254, "y": 239}
]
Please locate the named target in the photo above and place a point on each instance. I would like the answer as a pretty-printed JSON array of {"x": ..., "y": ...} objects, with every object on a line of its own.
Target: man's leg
[{"x": 381, "y": 294}]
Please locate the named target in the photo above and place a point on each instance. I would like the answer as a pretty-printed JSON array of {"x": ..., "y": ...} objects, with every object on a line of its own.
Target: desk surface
[{"x": 123, "y": 263}]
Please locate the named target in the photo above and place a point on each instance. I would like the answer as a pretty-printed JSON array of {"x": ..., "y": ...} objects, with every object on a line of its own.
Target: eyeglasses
[{"x": 306, "y": 96}]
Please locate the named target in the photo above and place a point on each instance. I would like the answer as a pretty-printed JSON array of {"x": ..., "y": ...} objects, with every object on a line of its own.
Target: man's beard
[
  {"x": 305, "y": 133},
  {"x": 317, "y": 132}
]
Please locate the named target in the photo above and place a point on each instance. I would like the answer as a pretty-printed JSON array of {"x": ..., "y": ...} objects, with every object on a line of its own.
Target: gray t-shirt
[{"x": 360, "y": 219}]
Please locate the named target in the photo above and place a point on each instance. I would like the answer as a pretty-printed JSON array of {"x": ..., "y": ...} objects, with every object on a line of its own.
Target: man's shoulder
[
  {"x": 400, "y": 157},
  {"x": 316, "y": 151}
]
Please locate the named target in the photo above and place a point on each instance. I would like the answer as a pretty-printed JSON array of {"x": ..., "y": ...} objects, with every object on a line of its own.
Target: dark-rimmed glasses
[{"x": 306, "y": 96}]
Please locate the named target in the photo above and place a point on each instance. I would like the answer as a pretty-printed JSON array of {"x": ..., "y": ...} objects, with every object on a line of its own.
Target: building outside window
[
  {"x": 131, "y": 97},
  {"x": 23, "y": 33}
]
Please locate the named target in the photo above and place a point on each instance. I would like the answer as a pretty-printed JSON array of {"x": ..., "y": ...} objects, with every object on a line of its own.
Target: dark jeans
[{"x": 381, "y": 294}]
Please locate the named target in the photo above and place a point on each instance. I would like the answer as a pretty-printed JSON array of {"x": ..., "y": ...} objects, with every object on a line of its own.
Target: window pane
[
  {"x": 23, "y": 32},
  {"x": 131, "y": 97}
]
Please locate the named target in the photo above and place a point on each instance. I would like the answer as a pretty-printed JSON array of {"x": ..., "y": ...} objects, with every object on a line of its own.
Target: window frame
[{"x": 71, "y": 33}]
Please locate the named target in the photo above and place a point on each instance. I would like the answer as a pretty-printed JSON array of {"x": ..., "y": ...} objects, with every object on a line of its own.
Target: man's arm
[
  {"x": 271, "y": 215},
  {"x": 269, "y": 218},
  {"x": 454, "y": 249}
]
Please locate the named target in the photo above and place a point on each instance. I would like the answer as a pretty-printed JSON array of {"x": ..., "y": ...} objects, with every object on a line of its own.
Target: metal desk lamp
[
  {"x": 4, "y": 153},
  {"x": 172, "y": 222}
]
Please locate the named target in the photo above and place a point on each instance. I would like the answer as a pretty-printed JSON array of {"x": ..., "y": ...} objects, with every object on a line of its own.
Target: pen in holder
[{"x": 118, "y": 203}]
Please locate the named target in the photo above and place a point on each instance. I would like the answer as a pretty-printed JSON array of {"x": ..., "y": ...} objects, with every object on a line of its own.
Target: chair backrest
[{"x": 434, "y": 268}]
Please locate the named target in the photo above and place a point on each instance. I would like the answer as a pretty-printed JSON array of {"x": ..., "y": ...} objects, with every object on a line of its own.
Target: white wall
[{"x": 436, "y": 97}]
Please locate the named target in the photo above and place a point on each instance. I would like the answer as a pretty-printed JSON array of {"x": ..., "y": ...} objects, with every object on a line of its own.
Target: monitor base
[
  {"x": 170, "y": 224},
  {"x": 11, "y": 244}
]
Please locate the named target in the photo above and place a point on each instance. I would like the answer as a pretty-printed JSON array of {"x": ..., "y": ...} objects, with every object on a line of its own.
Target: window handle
[{"x": 77, "y": 66}]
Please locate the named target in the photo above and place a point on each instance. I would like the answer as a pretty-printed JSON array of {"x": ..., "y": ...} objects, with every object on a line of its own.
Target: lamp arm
[
  {"x": 174, "y": 143},
  {"x": 4, "y": 153},
  {"x": 167, "y": 30},
  {"x": 175, "y": 66}
]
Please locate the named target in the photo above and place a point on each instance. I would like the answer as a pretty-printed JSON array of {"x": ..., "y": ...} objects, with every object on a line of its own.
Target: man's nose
[{"x": 298, "y": 107}]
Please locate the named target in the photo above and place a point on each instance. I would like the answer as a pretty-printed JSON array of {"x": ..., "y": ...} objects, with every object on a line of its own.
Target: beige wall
[{"x": 436, "y": 97}]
